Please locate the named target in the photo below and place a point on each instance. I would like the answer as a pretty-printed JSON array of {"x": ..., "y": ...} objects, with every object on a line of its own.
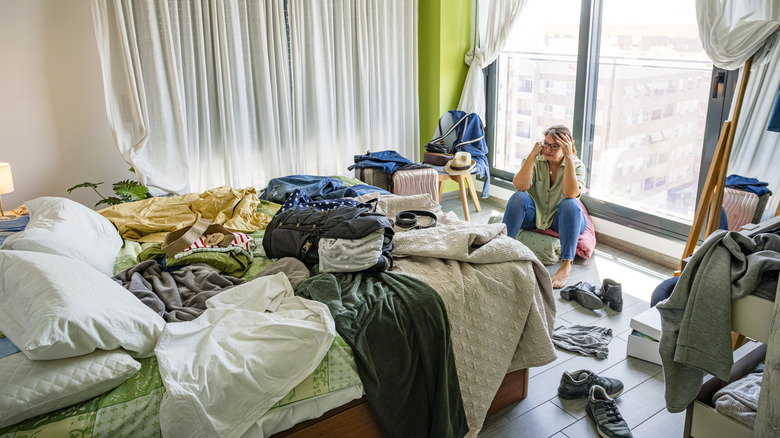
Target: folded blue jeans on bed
[{"x": 317, "y": 187}]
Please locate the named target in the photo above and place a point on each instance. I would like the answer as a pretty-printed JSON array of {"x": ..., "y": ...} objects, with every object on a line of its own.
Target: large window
[
  {"x": 537, "y": 77},
  {"x": 653, "y": 68},
  {"x": 633, "y": 82}
]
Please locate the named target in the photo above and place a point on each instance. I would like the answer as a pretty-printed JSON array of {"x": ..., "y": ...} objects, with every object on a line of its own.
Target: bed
[{"x": 497, "y": 297}]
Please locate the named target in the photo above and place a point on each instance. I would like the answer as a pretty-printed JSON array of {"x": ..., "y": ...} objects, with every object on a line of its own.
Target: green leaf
[
  {"x": 129, "y": 190},
  {"x": 111, "y": 200},
  {"x": 84, "y": 184}
]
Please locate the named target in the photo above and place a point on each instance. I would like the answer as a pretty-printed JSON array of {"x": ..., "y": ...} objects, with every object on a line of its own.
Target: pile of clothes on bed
[{"x": 253, "y": 295}]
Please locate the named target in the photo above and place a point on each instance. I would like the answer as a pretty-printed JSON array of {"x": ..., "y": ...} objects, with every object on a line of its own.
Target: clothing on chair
[{"x": 388, "y": 161}]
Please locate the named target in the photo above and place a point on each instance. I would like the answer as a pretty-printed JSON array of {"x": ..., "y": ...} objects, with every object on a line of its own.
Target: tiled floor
[{"x": 542, "y": 413}]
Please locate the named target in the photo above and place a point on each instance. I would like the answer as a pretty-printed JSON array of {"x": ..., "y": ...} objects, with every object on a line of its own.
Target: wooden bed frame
[{"x": 355, "y": 419}]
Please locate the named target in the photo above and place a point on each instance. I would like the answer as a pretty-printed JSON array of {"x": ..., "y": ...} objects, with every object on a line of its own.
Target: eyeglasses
[{"x": 552, "y": 146}]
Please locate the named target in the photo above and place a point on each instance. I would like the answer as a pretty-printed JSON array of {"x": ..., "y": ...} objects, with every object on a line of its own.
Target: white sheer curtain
[
  {"x": 756, "y": 151},
  {"x": 197, "y": 92},
  {"x": 354, "y": 66},
  {"x": 732, "y": 31},
  {"x": 492, "y": 23}
]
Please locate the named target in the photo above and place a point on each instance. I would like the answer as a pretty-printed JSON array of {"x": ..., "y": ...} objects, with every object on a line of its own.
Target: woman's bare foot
[{"x": 562, "y": 276}]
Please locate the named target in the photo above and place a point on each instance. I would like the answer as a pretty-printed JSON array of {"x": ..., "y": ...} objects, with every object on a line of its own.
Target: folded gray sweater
[{"x": 739, "y": 399}]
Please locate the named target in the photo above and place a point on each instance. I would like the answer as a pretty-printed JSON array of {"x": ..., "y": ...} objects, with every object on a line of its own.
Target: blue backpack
[{"x": 461, "y": 131}]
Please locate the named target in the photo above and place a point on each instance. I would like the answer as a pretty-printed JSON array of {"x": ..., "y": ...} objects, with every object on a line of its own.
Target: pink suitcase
[
  {"x": 740, "y": 207},
  {"x": 415, "y": 182}
]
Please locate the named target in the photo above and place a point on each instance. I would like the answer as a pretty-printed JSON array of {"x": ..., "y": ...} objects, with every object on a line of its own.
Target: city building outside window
[{"x": 645, "y": 116}]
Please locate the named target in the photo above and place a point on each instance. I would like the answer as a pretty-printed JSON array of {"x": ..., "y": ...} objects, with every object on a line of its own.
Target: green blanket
[{"x": 399, "y": 333}]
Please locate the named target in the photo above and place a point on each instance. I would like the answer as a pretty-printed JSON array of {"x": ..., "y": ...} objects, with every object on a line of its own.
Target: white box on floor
[{"x": 643, "y": 340}]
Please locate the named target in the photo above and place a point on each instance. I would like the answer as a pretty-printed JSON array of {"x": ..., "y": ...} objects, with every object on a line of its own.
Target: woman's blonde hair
[{"x": 561, "y": 129}]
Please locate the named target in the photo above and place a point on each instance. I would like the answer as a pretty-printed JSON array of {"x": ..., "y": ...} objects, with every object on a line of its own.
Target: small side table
[{"x": 461, "y": 180}]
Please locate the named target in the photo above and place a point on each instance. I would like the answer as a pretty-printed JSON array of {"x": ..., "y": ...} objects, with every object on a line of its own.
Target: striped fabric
[
  {"x": 241, "y": 242},
  {"x": 740, "y": 207}
]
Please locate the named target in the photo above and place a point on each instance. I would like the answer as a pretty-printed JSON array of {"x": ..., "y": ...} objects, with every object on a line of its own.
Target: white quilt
[{"x": 225, "y": 369}]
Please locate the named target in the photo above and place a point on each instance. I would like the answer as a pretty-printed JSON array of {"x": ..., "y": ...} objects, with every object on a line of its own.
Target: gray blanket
[
  {"x": 178, "y": 295},
  {"x": 696, "y": 334}
]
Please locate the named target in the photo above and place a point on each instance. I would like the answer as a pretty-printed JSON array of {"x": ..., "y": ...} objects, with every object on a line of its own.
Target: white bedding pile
[
  {"x": 64, "y": 313},
  {"x": 63, "y": 227},
  {"x": 225, "y": 369},
  {"x": 74, "y": 327},
  {"x": 56, "y": 307}
]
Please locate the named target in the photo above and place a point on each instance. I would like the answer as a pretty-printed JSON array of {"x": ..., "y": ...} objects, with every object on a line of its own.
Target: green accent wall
[{"x": 444, "y": 37}]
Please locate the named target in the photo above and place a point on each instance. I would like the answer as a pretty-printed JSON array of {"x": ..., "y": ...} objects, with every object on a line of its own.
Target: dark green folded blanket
[{"x": 398, "y": 330}]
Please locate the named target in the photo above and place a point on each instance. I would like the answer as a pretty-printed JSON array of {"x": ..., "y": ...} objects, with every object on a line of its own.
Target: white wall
[{"x": 53, "y": 125}]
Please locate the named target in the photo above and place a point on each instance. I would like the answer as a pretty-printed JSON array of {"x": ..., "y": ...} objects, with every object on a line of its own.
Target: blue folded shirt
[
  {"x": 747, "y": 184},
  {"x": 17, "y": 224},
  {"x": 7, "y": 347}
]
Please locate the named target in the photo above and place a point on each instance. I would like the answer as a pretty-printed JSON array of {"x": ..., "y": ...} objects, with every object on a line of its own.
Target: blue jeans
[
  {"x": 663, "y": 290},
  {"x": 569, "y": 220}
]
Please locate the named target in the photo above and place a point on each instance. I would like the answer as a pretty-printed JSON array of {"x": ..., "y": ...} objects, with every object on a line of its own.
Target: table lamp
[{"x": 6, "y": 183}]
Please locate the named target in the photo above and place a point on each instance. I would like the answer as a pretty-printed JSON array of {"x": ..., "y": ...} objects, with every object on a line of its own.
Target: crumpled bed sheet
[{"x": 151, "y": 219}]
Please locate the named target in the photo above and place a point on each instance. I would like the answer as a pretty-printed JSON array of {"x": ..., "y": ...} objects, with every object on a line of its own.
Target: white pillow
[
  {"x": 64, "y": 227},
  {"x": 33, "y": 387},
  {"x": 54, "y": 307}
]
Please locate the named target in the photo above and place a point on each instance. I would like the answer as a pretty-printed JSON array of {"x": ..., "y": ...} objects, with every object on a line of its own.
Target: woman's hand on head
[
  {"x": 537, "y": 150},
  {"x": 565, "y": 142}
]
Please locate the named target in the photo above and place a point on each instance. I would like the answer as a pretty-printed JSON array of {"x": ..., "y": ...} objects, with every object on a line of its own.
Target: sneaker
[
  {"x": 578, "y": 384},
  {"x": 585, "y": 293},
  {"x": 602, "y": 409}
]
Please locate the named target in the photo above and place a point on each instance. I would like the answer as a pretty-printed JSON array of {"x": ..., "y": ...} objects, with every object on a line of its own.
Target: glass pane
[
  {"x": 653, "y": 88},
  {"x": 536, "y": 79}
]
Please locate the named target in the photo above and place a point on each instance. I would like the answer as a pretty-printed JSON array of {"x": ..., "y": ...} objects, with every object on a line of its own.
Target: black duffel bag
[{"x": 352, "y": 238}]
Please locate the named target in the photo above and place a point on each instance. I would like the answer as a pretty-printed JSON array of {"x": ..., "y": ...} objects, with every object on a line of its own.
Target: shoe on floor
[
  {"x": 577, "y": 384},
  {"x": 612, "y": 294},
  {"x": 602, "y": 409},
  {"x": 585, "y": 294}
]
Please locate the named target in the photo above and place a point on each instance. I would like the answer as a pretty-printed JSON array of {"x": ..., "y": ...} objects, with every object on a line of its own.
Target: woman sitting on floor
[{"x": 549, "y": 183}]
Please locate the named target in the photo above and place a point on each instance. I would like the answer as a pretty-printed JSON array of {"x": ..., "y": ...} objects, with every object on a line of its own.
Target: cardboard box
[{"x": 644, "y": 339}]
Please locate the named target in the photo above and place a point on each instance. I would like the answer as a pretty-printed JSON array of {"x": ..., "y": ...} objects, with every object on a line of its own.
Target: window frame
[{"x": 583, "y": 127}]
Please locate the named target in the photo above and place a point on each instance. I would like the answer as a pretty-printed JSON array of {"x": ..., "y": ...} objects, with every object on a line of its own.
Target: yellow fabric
[{"x": 151, "y": 219}]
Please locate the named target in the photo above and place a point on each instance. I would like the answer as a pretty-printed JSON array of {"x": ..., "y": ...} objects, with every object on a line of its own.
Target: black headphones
[{"x": 408, "y": 219}]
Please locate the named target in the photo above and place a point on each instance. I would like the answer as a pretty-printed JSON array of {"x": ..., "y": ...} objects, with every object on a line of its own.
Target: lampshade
[{"x": 6, "y": 179}]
